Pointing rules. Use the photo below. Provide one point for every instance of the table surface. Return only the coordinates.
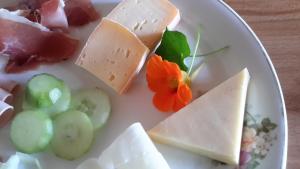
(277, 24)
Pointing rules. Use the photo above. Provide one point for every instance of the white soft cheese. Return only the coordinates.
(133, 149)
(212, 124)
(146, 18)
(21, 161)
(113, 54)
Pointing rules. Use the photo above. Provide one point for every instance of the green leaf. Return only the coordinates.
(253, 126)
(272, 126)
(265, 130)
(267, 124)
(174, 47)
(261, 157)
(265, 121)
(253, 165)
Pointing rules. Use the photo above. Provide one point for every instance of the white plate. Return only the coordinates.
(221, 26)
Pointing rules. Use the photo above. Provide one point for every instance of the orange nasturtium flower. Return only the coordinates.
(165, 79)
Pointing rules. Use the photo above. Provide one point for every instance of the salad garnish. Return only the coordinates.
(168, 76)
(174, 47)
(166, 80)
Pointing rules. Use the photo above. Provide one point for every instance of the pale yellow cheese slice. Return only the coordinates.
(212, 124)
(146, 18)
(113, 54)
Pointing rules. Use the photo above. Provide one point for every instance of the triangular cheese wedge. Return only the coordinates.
(212, 124)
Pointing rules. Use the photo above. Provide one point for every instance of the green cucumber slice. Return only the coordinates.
(73, 135)
(63, 103)
(47, 93)
(27, 106)
(95, 103)
(31, 131)
(44, 90)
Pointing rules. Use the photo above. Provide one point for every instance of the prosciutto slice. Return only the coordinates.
(8, 85)
(30, 4)
(6, 113)
(80, 12)
(28, 44)
(5, 96)
(7, 89)
(32, 15)
(53, 14)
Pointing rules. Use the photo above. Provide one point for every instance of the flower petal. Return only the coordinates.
(162, 76)
(245, 157)
(164, 101)
(155, 67)
(173, 70)
(184, 93)
(183, 97)
(156, 74)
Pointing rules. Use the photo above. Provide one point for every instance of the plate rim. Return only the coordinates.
(275, 78)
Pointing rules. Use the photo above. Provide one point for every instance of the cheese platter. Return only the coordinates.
(136, 84)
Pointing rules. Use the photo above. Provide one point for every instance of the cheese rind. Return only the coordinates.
(132, 149)
(148, 19)
(212, 124)
(113, 54)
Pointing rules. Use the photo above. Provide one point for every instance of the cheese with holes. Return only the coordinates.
(146, 18)
(133, 149)
(212, 124)
(113, 54)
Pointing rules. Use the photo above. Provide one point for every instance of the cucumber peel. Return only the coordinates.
(47, 93)
(31, 131)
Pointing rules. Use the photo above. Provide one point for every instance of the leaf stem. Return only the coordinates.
(252, 117)
(195, 51)
(213, 52)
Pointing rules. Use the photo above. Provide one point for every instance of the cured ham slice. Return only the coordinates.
(28, 44)
(7, 89)
(30, 4)
(5, 96)
(53, 14)
(19, 16)
(6, 113)
(80, 12)
(32, 15)
(8, 85)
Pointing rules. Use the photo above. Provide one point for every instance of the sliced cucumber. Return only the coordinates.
(27, 106)
(63, 103)
(95, 103)
(31, 131)
(73, 135)
(44, 90)
(47, 93)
